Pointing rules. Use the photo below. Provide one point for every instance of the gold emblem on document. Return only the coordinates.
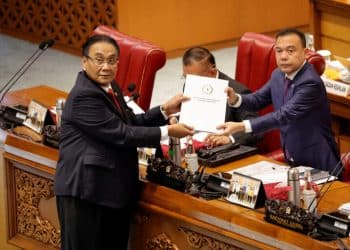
(207, 89)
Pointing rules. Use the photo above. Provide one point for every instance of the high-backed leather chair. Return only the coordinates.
(346, 164)
(255, 63)
(138, 63)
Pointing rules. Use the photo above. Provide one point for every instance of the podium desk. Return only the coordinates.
(31, 154)
(165, 217)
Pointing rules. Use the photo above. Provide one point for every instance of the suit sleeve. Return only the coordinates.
(90, 114)
(257, 100)
(240, 114)
(305, 98)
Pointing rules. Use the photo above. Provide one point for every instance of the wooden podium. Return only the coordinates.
(32, 221)
(166, 219)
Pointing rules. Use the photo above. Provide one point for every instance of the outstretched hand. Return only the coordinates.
(231, 127)
(173, 105)
(180, 130)
(232, 98)
(214, 140)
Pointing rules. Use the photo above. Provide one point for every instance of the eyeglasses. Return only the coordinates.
(99, 61)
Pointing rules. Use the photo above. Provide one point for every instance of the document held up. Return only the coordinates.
(207, 106)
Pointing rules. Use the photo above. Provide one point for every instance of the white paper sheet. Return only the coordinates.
(207, 106)
(267, 172)
(133, 105)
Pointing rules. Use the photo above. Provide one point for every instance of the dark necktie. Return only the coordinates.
(114, 98)
(287, 83)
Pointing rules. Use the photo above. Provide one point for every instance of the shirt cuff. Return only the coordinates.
(163, 112)
(163, 132)
(232, 139)
(238, 102)
(247, 126)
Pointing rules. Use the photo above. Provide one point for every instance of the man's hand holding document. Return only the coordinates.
(207, 106)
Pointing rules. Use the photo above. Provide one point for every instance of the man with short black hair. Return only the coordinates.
(301, 108)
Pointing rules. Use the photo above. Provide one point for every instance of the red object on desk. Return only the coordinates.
(281, 193)
(196, 144)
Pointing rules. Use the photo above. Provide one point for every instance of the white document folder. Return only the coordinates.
(207, 107)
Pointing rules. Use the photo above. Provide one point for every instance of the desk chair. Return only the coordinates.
(346, 163)
(255, 63)
(139, 62)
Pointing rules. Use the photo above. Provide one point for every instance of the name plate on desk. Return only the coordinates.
(288, 215)
(246, 191)
(336, 87)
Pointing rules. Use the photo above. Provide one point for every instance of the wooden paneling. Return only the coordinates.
(344, 143)
(171, 24)
(3, 209)
(330, 24)
(69, 22)
(178, 24)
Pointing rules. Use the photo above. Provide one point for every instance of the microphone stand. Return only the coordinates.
(335, 172)
(15, 115)
(37, 53)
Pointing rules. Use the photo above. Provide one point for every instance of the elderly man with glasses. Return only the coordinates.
(96, 181)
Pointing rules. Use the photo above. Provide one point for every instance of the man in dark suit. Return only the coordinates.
(200, 61)
(299, 98)
(96, 181)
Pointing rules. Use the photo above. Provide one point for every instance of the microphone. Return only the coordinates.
(44, 45)
(131, 87)
(335, 172)
(332, 225)
(133, 97)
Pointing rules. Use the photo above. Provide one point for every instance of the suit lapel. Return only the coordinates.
(123, 105)
(113, 106)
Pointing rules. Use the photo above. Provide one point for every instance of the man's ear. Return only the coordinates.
(83, 63)
(213, 72)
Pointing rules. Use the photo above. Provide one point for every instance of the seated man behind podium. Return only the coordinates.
(301, 108)
(200, 61)
(96, 181)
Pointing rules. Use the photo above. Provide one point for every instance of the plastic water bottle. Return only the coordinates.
(308, 194)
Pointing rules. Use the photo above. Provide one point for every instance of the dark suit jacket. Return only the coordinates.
(302, 115)
(98, 158)
(239, 114)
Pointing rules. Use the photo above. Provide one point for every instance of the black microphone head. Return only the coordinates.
(46, 44)
(131, 87)
(134, 96)
(42, 44)
(50, 42)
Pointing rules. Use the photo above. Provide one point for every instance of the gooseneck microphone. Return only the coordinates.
(133, 97)
(44, 45)
(335, 172)
(131, 87)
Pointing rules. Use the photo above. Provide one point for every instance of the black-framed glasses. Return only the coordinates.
(99, 61)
